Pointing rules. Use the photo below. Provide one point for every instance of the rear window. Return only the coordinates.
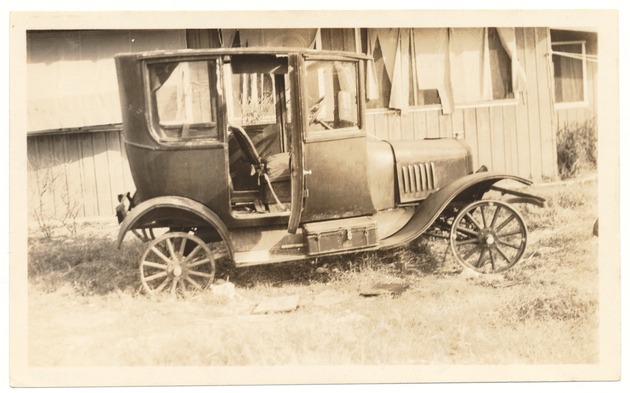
(184, 102)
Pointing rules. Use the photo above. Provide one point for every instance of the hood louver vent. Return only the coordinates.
(416, 180)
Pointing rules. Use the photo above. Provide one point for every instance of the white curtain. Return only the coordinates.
(508, 40)
(394, 45)
(71, 76)
(469, 58)
(432, 64)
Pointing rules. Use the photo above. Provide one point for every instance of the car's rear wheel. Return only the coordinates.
(488, 236)
(177, 263)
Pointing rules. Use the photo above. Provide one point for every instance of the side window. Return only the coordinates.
(184, 105)
(331, 95)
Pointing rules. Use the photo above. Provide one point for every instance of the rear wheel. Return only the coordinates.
(488, 236)
(177, 263)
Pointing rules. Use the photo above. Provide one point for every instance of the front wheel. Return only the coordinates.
(488, 236)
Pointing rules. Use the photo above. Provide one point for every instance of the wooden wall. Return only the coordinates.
(87, 170)
(516, 137)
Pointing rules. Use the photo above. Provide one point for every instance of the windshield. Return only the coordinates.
(331, 95)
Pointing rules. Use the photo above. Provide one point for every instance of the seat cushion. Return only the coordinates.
(278, 167)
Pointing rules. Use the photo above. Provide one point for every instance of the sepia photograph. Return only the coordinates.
(314, 197)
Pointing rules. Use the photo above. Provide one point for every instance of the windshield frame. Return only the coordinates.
(336, 133)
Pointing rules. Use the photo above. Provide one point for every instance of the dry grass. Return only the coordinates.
(85, 307)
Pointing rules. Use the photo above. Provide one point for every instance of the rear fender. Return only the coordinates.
(467, 189)
(171, 211)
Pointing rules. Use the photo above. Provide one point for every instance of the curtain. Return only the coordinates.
(394, 44)
(508, 40)
(71, 76)
(569, 78)
(469, 59)
(432, 64)
(372, 90)
(71, 94)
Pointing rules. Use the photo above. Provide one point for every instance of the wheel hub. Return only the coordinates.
(487, 238)
(177, 271)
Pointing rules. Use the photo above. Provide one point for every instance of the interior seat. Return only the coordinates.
(274, 168)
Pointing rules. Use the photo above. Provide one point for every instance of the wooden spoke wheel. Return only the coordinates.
(177, 263)
(488, 236)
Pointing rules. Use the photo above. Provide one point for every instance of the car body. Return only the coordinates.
(265, 151)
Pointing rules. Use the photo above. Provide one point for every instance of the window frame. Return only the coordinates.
(571, 104)
(155, 129)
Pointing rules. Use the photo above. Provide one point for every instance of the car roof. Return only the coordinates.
(158, 54)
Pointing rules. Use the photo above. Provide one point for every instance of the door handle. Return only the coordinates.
(306, 173)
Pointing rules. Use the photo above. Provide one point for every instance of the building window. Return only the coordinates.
(569, 70)
(447, 67)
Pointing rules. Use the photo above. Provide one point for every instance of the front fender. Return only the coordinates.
(468, 188)
(172, 211)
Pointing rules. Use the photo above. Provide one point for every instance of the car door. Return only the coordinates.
(333, 146)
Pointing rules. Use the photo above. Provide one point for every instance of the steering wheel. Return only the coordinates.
(315, 111)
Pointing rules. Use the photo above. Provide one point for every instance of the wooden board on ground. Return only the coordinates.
(277, 304)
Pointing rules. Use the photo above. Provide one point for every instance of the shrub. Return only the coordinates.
(50, 181)
(577, 148)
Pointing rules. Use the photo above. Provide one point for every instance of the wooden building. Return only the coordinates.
(504, 90)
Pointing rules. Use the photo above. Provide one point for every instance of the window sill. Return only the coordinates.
(485, 104)
(571, 105)
(429, 108)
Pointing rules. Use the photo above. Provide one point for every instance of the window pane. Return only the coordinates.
(331, 95)
(568, 74)
(428, 97)
(253, 99)
(182, 98)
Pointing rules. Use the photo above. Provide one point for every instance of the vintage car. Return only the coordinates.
(256, 155)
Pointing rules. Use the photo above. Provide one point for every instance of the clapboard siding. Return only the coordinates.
(516, 137)
(545, 104)
(90, 170)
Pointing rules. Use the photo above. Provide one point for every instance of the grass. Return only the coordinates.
(85, 307)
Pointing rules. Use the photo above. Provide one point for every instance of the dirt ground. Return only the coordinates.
(91, 312)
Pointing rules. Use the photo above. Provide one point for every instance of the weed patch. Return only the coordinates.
(565, 307)
(577, 148)
(88, 265)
